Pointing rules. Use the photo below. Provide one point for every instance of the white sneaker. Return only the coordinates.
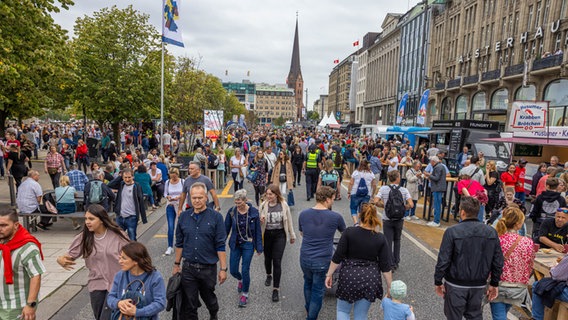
(433, 224)
(415, 218)
(169, 251)
(407, 218)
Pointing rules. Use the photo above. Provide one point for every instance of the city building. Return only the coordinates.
(244, 91)
(274, 101)
(414, 31)
(359, 77)
(321, 106)
(486, 54)
(340, 88)
(382, 74)
(295, 80)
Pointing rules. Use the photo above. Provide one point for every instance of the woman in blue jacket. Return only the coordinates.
(245, 236)
(145, 181)
(138, 289)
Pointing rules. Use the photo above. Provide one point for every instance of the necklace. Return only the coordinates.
(245, 237)
(104, 235)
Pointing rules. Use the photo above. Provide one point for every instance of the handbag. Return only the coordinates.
(252, 176)
(282, 177)
(52, 171)
(291, 201)
(137, 296)
(50, 207)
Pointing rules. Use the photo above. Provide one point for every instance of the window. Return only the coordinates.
(478, 104)
(526, 93)
(500, 99)
(537, 15)
(461, 108)
(446, 109)
(529, 26)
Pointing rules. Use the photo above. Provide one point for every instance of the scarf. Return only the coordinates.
(21, 238)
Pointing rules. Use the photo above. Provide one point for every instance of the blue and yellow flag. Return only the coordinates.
(422, 108)
(171, 32)
(401, 107)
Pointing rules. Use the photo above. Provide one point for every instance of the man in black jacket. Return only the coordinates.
(545, 206)
(129, 206)
(470, 252)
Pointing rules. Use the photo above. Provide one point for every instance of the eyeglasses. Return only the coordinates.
(564, 210)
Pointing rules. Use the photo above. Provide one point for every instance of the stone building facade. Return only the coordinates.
(274, 101)
(339, 89)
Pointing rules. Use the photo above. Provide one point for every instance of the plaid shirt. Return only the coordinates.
(78, 179)
(54, 160)
(560, 272)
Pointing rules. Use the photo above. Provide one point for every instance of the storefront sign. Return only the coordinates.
(213, 124)
(551, 132)
(528, 116)
(467, 124)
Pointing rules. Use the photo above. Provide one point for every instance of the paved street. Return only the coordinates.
(416, 270)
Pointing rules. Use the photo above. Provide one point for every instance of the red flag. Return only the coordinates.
(336, 61)
(356, 43)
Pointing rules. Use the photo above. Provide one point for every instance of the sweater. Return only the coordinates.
(154, 291)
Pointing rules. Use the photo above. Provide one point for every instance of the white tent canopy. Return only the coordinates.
(324, 121)
(331, 119)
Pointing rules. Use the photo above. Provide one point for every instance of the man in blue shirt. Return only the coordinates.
(200, 250)
(317, 227)
(77, 178)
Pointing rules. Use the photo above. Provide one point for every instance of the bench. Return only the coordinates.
(558, 312)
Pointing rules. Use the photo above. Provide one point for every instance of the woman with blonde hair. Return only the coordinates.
(364, 254)
(519, 256)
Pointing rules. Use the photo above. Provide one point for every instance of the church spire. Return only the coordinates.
(294, 79)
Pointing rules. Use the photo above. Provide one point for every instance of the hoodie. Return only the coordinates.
(546, 204)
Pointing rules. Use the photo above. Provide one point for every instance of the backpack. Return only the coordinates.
(362, 190)
(96, 192)
(348, 153)
(212, 161)
(395, 208)
(329, 178)
(138, 296)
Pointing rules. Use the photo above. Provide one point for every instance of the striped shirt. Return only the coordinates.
(26, 262)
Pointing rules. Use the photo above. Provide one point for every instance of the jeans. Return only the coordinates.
(411, 212)
(2, 170)
(360, 309)
(499, 310)
(101, 311)
(238, 185)
(393, 232)
(171, 217)
(311, 182)
(521, 196)
(538, 307)
(129, 224)
(481, 213)
(197, 282)
(437, 204)
(314, 285)
(356, 202)
(244, 251)
(274, 245)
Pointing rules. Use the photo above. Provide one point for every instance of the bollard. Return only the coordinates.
(12, 188)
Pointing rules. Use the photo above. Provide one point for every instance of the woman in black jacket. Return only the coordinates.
(297, 163)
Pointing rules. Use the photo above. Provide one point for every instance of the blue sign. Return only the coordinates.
(338, 114)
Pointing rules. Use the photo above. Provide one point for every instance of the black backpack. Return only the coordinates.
(395, 208)
(212, 161)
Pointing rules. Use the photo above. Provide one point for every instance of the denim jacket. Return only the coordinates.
(254, 228)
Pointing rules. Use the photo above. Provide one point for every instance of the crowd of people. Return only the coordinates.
(386, 181)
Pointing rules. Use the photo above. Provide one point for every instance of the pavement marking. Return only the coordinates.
(413, 240)
(160, 236)
(225, 192)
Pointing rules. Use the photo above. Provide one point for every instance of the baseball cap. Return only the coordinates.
(523, 161)
(398, 290)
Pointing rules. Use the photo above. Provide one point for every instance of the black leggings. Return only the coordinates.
(297, 172)
(274, 244)
(258, 192)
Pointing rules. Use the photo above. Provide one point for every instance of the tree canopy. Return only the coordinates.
(36, 71)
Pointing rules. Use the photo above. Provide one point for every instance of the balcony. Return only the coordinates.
(491, 75)
(514, 70)
(548, 62)
(440, 86)
(454, 83)
(470, 79)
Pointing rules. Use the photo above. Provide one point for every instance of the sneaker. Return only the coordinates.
(268, 281)
(2, 178)
(169, 251)
(415, 218)
(243, 301)
(42, 226)
(275, 297)
(407, 218)
(240, 287)
(433, 224)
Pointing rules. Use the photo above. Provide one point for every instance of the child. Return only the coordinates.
(393, 309)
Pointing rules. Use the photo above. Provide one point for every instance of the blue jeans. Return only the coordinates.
(481, 213)
(360, 309)
(129, 224)
(521, 196)
(538, 307)
(244, 251)
(237, 185)
(314, 285)
(356, 202)
(411, 212)
(171, 217)
(499, 310)
(437, 204)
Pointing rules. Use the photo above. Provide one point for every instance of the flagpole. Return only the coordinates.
(162, 94)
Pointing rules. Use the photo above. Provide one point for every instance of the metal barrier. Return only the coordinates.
(12, 188)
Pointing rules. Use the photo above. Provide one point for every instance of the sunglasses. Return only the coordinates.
(564, 210)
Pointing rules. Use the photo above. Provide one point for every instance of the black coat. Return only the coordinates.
(175, 297)
(138, 202)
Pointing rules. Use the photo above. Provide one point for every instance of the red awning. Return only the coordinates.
(334, 126)
(533, 141)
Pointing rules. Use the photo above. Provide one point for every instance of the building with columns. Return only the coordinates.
(340, 88)
(360, 76)
(486, 54)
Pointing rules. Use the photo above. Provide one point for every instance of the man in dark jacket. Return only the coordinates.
(545, 206)
(107, 196)
(469, 254)
(438, 186)
(129, 206)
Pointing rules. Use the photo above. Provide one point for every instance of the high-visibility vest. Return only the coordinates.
(312, 162)
(333, 155)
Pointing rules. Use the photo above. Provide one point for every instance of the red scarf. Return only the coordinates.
(21, 238)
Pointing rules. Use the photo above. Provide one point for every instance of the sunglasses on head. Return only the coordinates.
(564, 210)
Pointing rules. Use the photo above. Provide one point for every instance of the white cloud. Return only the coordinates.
(257, 35)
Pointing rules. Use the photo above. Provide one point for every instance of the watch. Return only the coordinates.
(224, 270)
(32, 304)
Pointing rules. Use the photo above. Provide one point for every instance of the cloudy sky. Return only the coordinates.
(257, 35)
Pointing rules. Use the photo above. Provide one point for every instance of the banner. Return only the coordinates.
(401, 106)
(529, 116)
(422, 108)
(171, 32)
(213, 124)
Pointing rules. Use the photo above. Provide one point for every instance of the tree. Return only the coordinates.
(119, 67)
(279, 121)
(313, 115)
(36, 71)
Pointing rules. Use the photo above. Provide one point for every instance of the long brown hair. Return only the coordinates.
(276, 190)
(138, 252)
(368, 216)
(88, 239)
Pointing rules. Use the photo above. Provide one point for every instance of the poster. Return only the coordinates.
(528, 116)
(213, 124)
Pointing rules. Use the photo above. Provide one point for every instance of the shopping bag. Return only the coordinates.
(291, 201)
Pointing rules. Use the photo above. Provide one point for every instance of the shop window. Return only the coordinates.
(500, 99)
(461, 108)
(479, 103)
(446, 109)
(556, 93)
(526, 93)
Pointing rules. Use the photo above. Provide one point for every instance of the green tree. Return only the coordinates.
(119, 67)
(279, 121)
(35, 66)
(313, 115)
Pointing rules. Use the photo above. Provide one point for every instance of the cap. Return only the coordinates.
(398, 290)
(523, 161)
(206, 145)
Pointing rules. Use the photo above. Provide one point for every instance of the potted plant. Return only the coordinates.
(185, 158)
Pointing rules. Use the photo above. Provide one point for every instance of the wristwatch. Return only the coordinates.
(224, 270)
(32, 304)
